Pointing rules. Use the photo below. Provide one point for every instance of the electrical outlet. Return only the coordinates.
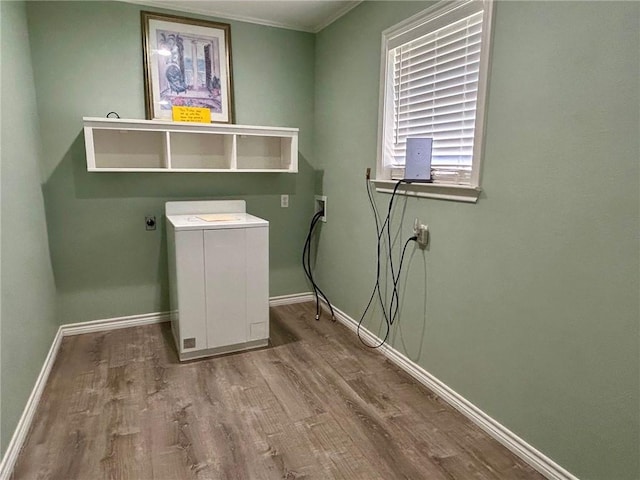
(284, 201)
(321, 206)
(423, 236)
(150, 222)
(421, 232)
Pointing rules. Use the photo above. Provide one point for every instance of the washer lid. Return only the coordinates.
(211, 221)
(204, 206)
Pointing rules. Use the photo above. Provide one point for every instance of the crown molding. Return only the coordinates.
(340, 13)
(245, 18)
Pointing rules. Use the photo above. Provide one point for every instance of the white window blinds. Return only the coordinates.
(435, 80)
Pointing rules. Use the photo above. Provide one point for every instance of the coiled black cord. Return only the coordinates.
(394, 306)
(376, 287)
(306, 265)
(395, 295)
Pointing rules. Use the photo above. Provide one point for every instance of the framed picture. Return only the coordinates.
(187, 63)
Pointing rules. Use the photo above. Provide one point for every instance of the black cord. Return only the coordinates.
(306, 258)
(376, 287)
(395, 295)
(316, 288)
(394, 305)
(397, 279)
(306, 264)
(315, 220)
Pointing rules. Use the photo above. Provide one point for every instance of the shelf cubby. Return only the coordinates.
(263, 152)
(154, 145)
(200, 151)
(126, 149)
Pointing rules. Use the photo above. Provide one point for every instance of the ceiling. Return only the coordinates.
(303, 15)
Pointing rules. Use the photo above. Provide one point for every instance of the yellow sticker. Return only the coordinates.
(191, 114)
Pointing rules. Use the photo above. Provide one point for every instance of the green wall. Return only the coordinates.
(28, 291)
(87, 60)
(526, 303)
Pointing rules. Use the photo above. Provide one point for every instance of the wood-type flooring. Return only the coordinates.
(316, 404)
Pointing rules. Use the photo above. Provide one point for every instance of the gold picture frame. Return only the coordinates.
(187, 63)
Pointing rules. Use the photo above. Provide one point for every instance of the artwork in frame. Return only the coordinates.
(187, 63)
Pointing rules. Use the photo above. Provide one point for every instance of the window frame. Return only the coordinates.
(430, 19)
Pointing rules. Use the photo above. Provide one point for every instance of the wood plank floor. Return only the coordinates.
(315, 404)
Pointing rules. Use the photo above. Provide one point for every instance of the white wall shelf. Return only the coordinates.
(120, 145)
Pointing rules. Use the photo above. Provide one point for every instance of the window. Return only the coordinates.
(434, 80)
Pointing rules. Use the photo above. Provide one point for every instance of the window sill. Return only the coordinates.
(441, 191)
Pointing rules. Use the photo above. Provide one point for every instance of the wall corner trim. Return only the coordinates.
(496, 430)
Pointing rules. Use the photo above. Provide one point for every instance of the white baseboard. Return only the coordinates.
(517, 445)
(496, 430)
(290, 299)
(159, 317)
(114, 323)
(22, 429)
(24, 424)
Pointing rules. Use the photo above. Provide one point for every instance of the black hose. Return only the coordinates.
(306, 264)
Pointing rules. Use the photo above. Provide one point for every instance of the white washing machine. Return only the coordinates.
(219, 277)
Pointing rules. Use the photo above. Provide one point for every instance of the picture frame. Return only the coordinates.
(172, 78)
